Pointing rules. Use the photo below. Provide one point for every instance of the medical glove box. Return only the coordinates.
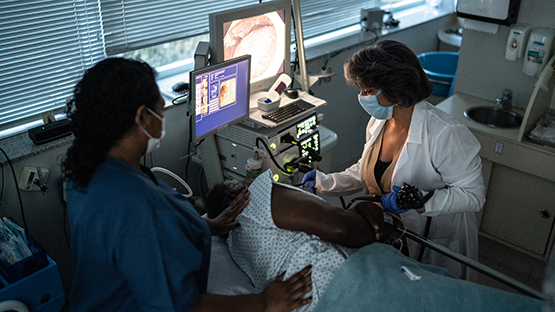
(25, 267)
(39, 291)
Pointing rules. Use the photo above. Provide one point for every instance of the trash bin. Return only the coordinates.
(440, 67)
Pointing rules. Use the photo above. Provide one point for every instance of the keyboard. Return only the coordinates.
(288, 111)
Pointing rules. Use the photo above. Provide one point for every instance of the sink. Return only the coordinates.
(494, 117)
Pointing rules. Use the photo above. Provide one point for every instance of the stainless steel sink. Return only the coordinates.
(494, 117)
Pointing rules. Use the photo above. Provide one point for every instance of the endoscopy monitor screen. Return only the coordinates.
(263, 31)
(220, 95)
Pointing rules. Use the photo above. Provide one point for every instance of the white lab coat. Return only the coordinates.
(439, 154)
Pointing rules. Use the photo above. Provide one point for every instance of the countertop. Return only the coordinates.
(457, 104)
(502, 145)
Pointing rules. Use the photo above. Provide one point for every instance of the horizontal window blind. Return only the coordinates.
(135, 24)
(45, 47)
(323, 16)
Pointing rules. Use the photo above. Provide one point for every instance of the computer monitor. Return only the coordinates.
(220, 95)
(261, 30)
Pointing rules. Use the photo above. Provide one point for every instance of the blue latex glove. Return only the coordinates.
(389, 201)
(309, 181)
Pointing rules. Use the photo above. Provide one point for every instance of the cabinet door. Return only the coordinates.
(519, 209)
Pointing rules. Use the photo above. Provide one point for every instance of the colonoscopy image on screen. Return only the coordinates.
(221, 95)
(263, 37)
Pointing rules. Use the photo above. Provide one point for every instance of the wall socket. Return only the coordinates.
(29, 175)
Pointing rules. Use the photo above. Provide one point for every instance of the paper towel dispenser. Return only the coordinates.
(502, 12)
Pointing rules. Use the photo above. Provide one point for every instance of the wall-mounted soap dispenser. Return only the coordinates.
(538, 50)
(516, 42)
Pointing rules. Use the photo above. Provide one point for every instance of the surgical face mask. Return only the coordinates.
(372, 107)
(154, 143)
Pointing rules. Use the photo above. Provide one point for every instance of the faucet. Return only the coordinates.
(507, 100)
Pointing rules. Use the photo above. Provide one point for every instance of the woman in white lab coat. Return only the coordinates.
(409, 140)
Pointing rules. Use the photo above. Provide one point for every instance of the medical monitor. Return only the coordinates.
(261, 30)
(220, 95)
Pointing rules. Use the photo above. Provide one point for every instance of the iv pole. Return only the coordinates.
(300, 44)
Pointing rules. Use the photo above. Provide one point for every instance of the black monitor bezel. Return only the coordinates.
(217, 19)
(192, 96)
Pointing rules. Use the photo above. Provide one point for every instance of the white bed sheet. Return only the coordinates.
(224, 276)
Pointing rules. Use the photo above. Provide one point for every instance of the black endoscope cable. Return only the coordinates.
(271, 155)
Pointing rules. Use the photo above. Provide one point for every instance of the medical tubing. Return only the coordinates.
(175, 176)
(271, 155)
(17, 188)
(374, 198)
(400, 238)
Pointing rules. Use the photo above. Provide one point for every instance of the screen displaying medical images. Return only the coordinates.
(228, 91)
(221, 95)
(263, 37)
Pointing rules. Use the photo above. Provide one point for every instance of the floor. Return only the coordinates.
(519, 266)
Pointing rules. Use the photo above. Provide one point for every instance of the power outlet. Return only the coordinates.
(29, 175)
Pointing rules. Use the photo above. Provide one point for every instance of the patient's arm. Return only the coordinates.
(297, 211)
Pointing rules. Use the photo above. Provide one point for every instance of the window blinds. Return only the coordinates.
(45, 47)
(135, 24)
(323, 16)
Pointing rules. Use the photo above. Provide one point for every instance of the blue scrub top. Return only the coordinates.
(136, 244)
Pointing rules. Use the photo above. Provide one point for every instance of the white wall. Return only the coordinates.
(483, 70)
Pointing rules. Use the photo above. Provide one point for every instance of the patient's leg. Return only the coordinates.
(298, 211)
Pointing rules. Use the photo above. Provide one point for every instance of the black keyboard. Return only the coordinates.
(287, 111)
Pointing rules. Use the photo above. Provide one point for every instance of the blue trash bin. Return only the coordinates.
(440, 67)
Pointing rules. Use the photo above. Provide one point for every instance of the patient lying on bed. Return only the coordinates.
(283, 229)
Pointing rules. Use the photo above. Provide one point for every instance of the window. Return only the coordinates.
(46, 45)
(44, 48)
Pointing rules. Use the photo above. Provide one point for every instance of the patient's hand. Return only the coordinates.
(225, 221)
(288, 295)
(373, 215)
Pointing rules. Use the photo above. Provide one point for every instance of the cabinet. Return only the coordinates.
(520, 181)
(519, 209)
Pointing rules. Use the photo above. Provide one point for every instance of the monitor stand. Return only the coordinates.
(208, 151)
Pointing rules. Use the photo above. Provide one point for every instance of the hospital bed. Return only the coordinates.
(226, 278)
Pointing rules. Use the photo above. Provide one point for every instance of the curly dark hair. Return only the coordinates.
(392, 67)
(221, 195)
(103, 110)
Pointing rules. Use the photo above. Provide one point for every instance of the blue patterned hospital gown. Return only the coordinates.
(264, 251)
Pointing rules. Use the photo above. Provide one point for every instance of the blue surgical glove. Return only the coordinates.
(389, 201)
(309, 181)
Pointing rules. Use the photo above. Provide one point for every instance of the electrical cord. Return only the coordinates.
(180, 99)
(259, 139)
(64, 204)
(18, 192)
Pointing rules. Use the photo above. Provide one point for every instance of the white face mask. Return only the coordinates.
(372, 107)
(153, 143)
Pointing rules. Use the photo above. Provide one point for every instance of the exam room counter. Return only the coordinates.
(520, 182)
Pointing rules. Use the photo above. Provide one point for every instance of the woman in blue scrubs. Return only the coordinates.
(137, 245)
